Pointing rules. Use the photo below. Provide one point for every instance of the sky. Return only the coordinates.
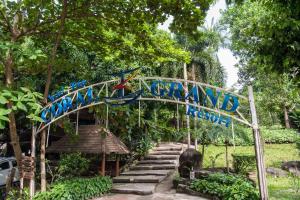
(225, 55)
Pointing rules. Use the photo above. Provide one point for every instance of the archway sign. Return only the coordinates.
(203, 101)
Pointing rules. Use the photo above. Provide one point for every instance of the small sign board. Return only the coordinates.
(27, 167)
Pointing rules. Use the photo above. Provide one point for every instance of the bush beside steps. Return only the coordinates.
(77, 189)
(221, 186)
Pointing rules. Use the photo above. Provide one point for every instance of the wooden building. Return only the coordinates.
(92, 139)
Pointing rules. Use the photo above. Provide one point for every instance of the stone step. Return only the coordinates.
(161, 157)
(165, 153)
(146, 172)
(152, 167)
(134, 188)
(138, 179)
(157, 162)
(167, 149)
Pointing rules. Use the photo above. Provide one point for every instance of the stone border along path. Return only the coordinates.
(151, 178)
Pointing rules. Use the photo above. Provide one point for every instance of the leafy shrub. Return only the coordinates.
(72, 165)
(144, 145)
(270, 135)
(77, 189)
(242, 163)
(226, 187)
(298, 145)
(279, 136)
(15, 194)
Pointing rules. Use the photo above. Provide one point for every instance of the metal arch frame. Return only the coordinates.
(142, 81)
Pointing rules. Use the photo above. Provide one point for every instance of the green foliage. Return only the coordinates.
(144, 145)
(243, 163)
(226, 186)
(281, 188)
(295, 116)
(72, 165)
(213, 159)
(268, 56)
(22, 100)
(15, 194)
(295, 182)
(298, 145)
(270, 135)
(261, 44)
(279, 136)
(77, 189)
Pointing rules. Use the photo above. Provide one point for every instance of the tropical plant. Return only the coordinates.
(226, 186)
(243, 163)
(77, 189)
(72, 165)
(213, 159)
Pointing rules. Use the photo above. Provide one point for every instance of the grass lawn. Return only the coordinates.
(279, 188)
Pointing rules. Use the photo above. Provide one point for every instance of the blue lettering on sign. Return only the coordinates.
(226, 101)
(158, 88)
(176, 89)
(161, 90)
(214, 99)
(209, 116)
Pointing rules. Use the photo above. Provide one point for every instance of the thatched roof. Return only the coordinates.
(92, 139)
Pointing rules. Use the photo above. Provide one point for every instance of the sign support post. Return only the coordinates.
(186, 105)
(33, 149)
(261, 170)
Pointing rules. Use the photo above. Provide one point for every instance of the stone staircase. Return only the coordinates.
(146, 174)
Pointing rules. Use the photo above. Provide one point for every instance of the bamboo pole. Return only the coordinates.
(261, 170)
(186, 105)
(33, 149)
(106, 122)
(195, 120)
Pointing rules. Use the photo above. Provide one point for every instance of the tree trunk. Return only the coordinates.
(14, 138)
(46, 92)
(286, 118)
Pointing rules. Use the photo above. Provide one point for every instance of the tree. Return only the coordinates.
(264, 35)
(87, 24)
(204, 60)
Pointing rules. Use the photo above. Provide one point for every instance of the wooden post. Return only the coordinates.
(77, 121)
(140, 85)
(177, 116)
(195, 120)
(186, 105)
(261, 170)
(118, 165)
(103, 165)
(106, 122)
(33, 149)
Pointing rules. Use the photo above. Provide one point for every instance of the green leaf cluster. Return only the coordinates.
(270, 135)
(243, 163)
(72, 165)
(226, 186)
(77, 189)
(19, 100)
